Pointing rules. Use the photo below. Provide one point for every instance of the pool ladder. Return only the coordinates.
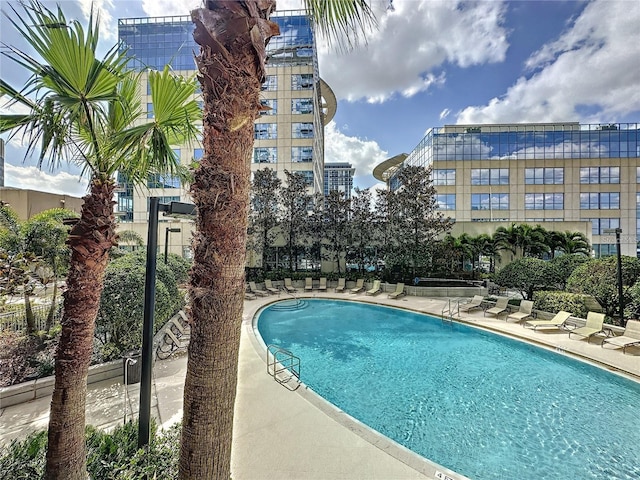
(283, 366)
(450, 309)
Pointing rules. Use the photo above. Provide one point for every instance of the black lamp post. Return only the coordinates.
(618, 231)
(176, 209)
(166, 240)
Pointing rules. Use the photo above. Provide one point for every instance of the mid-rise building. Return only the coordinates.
(535, 173)
(289, 135)
(338, 176)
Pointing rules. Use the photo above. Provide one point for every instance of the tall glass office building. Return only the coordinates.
(289, 135)
(544, 172)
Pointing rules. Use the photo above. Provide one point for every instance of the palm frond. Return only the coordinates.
(342, 21)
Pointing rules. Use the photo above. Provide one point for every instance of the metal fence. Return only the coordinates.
(16, 321)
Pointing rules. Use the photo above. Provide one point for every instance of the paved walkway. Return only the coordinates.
(294, 435)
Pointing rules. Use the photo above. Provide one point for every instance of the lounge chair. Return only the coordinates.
(557, 321)
(375, 289)
(268, 286)
(591, 327)
(256, 291)
(399, 291)
(359, 286)
(474, 304)
(631, 336)
(525, 311)
(249, 296)
(308, 284)
(323, 284)
(500, 308)
(341, 285)
(288, 286)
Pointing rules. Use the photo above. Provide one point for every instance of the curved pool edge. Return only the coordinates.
(426, 468)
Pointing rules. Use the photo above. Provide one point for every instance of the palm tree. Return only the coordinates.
(233, 36)
(85, 110)
(573, 242)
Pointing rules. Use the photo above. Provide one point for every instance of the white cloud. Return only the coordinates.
(162, 8)
(403, 55)
(32, 178)
(444, 113)
(590, 73)
(363, 154)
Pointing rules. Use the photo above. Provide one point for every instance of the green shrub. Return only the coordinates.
(554, 301)
(110, 456)
(526, 274)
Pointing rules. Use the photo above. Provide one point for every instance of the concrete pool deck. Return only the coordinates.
(296, 435)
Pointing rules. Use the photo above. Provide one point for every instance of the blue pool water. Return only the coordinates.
(480, 404)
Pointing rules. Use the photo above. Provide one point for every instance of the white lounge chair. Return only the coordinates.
(474, 304)
(359, 286)
(323, 284)
(500, 307)
(558, 321)
(288, 286)
(256, 291)
(525, 311)
(631, 336)
(375, 289)
(341, 285)
(399, 291)
(268, 286)
(308, 284)
(592, 326)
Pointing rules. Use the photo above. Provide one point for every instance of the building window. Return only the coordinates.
(270, 83)
(265, 155)
(265, 131)
(164, 200)
(490, 176)
(489, 201)
(604, 249)
(446, 201)
(197, 154)
(158, 180)
(544, 176)
(301, 105)
(600, 201)
(302, 81)
(272, 107)
(302, 130)
(598, 225)
(599, 174)
(308, 177)
(544, 201)
(444, 176)
(301, 154)
(150, 110)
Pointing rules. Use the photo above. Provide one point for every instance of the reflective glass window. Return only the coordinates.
(606, 175)
(302, 81)
(302, 130)
(308, 177)
(444, 176)
(487, 201)
(598, 225)
(272, 105)
(270, 83)
(157, 180)
(197, 154)
(600, 201)
(489, 176)
(150, 110)
(544, 176)
(544, 201)
(265, 155)
(265, 131)
(446, 201)
(604, 249)
(301, 154)
(301, 105)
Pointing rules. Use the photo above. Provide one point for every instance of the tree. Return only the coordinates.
(522, 240)
(563, 266)
(85, 109)
(233, 36)
(571, 243)
(263, 216)
(417, 221)
(362, 229)
(598, 277)
(526, 274)
(295, 203)
(335, 224)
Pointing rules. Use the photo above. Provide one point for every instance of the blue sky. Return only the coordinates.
(431, 63)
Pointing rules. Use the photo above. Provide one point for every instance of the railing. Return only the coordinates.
(283, 366)
(16, 321)
(450, 309)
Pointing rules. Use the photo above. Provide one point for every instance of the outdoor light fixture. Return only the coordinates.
(179, 209)
(618, 231)
(166, 240)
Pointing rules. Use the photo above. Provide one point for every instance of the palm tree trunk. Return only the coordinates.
(28, 311)
(231, 72)
(52, 308)
(89, 240)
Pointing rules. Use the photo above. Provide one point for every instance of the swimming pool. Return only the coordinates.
(483, 405)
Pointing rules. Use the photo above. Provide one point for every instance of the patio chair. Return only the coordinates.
(288, 286)
(256, 291)
(474, 304)
(268, 286)
(500, 308)
(631, 336)
(591, 327)
(341, 285)
(359, 286)
(323, 284)
(249, 296)
(399, 291)
(558, 321)
(375, 289)
(525, 311)
(308, 284)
